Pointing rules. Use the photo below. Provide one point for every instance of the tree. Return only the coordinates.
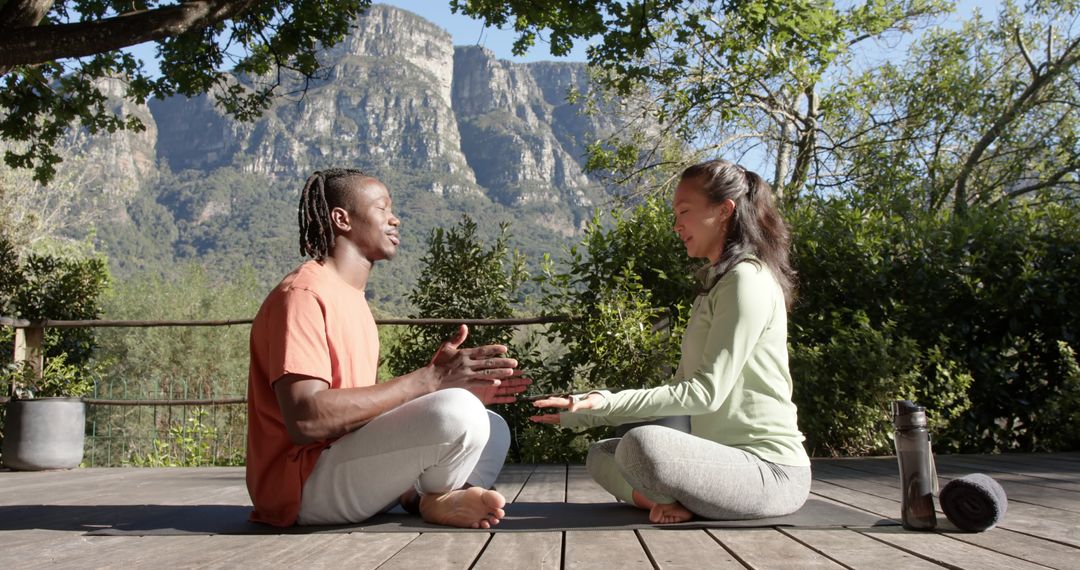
(461, 279)
(465, 278)
(53, 56)
(977, 115)
(717, 75)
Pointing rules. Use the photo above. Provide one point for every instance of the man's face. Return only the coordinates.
(373, 227)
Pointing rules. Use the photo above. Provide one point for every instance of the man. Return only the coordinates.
(326, 444)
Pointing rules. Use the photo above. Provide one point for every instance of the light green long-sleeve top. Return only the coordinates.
(733, 378)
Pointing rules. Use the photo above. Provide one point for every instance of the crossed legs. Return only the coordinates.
(675, 475)
(437, 444)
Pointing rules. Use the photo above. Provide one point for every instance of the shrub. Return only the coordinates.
(979, 304)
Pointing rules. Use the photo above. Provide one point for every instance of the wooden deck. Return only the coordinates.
(1040, 530)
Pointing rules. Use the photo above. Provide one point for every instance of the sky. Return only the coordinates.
(467, 31)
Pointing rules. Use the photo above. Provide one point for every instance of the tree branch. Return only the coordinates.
(30, 45)
(1024, 51)
(1052, 69)
(1053, 180)
(807, 143)
(19, 13)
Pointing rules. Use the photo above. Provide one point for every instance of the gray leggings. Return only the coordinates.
(712, 480)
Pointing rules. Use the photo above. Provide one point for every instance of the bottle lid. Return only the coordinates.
(906, 414)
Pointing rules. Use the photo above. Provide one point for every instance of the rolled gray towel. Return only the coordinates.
(974, 502)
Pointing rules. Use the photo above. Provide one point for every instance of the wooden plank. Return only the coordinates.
(882, 507)
(1024, 492)
(77, 551)
(1065, 459)
(522, 551)
(439, 551)
(1020, 487)
(39, 548)
(356, 550)
(131, 486)
(1033, 548)
(769, 548)
(1039, 534)
(547, 484)
(604, 550)
(856, 550)
(22, 487)
(1054, 477)
(359, 550)
(686, 550)
(511, 479)
(581, 488)
(1058, 476)
(1044, 522)
(944, 550)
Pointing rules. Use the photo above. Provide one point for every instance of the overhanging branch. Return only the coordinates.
(32, 45)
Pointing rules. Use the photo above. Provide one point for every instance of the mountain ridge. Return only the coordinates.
(451, 130)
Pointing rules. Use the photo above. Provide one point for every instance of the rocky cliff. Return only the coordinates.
(398, 96)
(452, 130)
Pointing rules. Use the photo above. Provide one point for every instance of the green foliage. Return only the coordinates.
(626, 287)
(460, 279)
(1063, 404)
(36, 286)
(44, 96)
(58, 379)
(843, 384)
(173, 363)
(712, 75)
(56, 286)
(975, 114)
(639, 242)
(191, 443)
(463, 278)
(181, 361)
(963, 313)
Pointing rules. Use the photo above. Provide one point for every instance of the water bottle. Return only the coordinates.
(917, 474)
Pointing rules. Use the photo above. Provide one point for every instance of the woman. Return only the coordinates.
(743, 457)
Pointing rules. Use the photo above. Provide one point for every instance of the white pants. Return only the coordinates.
(435, 443)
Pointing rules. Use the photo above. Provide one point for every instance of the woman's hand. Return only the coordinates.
(568, 403)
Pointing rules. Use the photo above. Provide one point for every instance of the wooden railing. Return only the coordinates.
(30, 336)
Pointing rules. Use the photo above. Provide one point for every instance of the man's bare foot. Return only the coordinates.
(666, 513)
(474, 507)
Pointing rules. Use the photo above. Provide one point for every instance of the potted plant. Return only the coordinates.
(46, 418)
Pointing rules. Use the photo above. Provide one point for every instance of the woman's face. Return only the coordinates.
(701, 225)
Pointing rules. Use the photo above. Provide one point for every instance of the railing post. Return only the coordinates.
(29, 343)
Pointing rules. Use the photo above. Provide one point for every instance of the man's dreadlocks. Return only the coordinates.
(323, 191)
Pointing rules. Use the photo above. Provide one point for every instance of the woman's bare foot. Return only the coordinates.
(474, 507)
(667, 513)
(662, 513)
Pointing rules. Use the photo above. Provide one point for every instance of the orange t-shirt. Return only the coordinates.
(315, 324)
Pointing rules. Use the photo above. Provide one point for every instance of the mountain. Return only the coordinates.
(452, 131)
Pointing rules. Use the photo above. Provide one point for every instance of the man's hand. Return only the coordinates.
(505, 393)
(482, 367)
(569, 404)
